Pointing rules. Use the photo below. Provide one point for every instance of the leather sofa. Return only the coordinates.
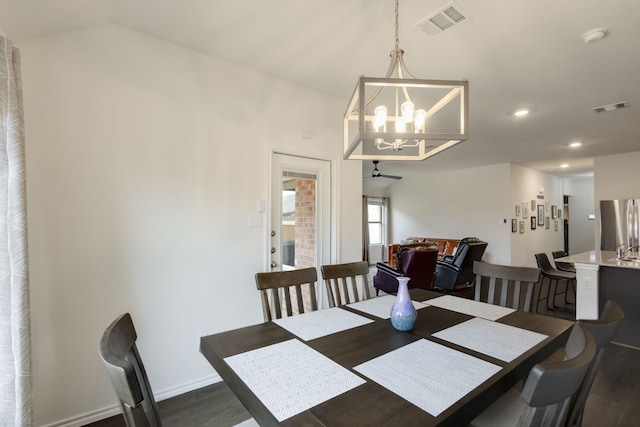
(416, 261)
(445, 246)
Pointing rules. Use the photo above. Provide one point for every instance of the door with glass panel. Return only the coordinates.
(300, 230)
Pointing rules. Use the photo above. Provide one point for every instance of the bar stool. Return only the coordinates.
(555, 276)
(561, 265)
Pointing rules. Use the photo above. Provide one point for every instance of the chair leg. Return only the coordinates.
(540, 299)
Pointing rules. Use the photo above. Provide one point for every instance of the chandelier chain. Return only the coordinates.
(397, 37)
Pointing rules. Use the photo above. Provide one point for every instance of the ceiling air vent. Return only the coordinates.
(443, 19)
(610, 107)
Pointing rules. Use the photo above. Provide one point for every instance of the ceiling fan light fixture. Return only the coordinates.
(399, 117)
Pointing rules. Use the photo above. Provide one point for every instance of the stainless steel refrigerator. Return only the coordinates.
(620, 225)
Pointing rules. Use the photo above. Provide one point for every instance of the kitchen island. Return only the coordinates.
(600, 277)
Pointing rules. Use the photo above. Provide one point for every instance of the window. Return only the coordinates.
(376, 225)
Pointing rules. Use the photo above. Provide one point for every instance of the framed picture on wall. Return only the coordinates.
(554, 212)
(514, 225)
(525, 210)
(521, 227)
(556, 225)
(546, 222)
(546, 206)
(533, 222)
(559, 211)
(540, 214)
(533, 206)
(517, 210)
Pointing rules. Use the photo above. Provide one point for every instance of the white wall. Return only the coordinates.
(526, 185)
(144, 161)
(456, 204)
(581, 205)
(615, 177)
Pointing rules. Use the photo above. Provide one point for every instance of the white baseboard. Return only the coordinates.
(109, 411)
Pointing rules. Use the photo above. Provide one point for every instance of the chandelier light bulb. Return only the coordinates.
(380, 119)
(407, 111)
(420, 120)
(400, 125)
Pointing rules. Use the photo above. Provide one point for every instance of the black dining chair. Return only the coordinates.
(126, 372)
(505, 285)
(341, 281)
(548, 390)
(603, 331)
(280, 288)
(554, 276)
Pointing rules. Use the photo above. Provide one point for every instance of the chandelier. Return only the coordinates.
(399, 117)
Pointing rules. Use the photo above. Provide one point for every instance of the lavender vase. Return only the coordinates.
(403, 313)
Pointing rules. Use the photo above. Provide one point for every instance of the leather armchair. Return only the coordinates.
(417, 261)
(456, 271)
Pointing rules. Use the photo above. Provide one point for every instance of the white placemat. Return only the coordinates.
(380, 306)
(470, 307)
(316, 324)
(429, 375)
(504, 342)
(291, 377)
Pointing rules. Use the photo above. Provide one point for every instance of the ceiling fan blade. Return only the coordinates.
(390, 176)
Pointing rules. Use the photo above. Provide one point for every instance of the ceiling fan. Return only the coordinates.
(376, 173)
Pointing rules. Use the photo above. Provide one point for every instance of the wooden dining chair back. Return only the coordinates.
(546, 395)
(127, 374)
(506, 285)
(603, 331)
(341, 281)
(277, 287)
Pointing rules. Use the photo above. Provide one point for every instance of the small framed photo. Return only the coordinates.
(546, 206)
(559, 211)
(556, 225)
(554, 212)
(540, 214)
(533, 222)
(514, 225)
(525, 210)
(546, 222)
(517, 210)
(521, 227)
(533, 206)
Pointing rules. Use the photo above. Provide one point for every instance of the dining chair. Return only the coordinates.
(603, 331)
(276, 285)
(512, 284)
(554, 276)
(547, 392)
(341, 281)
(126, 372)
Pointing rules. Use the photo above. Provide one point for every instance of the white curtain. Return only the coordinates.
(15, 348)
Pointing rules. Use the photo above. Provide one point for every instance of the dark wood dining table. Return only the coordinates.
(370, 403)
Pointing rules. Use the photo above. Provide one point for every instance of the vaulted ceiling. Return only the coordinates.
(515, 54)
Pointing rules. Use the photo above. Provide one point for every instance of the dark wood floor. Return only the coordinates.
(614, 400)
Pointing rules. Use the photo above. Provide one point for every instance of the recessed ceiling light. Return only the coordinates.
(520, 113)
(595, 35)
(575, 144)
(564, 165)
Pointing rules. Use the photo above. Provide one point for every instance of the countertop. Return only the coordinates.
(602, 258)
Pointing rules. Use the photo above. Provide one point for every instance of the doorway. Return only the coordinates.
(300, 225)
